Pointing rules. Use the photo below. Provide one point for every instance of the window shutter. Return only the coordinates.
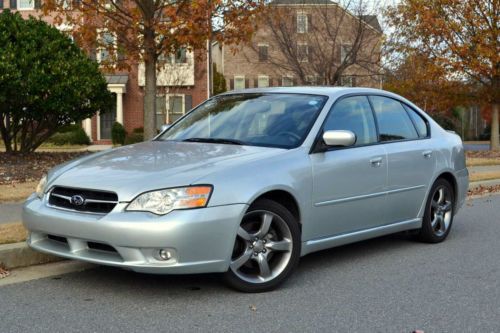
(294, 23)
(255, 83)
(231, 84)
(38, 4)
(13, 4)
(247, 83)
(270, 82)
(310, 51)
(120, 48)
(188, 102)
(309, 22)
(354, 81)
(294, 80)
(93, 53)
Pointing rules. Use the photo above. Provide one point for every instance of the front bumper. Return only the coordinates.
(200, 240)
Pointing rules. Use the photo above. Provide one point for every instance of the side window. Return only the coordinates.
(393, 121)
(353, 114)
(419, 121)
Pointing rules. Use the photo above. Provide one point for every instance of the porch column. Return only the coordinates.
(87, 127)
(119, 107)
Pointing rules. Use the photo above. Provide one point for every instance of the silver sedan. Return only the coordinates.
(248, 182)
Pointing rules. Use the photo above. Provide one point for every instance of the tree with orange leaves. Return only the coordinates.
(146, 30)
(416, 77)
(461, 37)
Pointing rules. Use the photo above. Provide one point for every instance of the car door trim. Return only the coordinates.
(346, 238)
(365, 196)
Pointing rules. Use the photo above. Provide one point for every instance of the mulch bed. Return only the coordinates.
(483, 154)
(483, 190)
(20, 168)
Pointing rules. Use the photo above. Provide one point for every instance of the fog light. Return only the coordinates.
(164, 254)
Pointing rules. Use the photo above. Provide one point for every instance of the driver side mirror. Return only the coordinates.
(339, 138)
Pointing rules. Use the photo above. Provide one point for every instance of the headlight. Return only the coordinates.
(162, 202)
(40, 188)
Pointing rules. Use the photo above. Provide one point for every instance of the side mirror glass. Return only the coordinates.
(339, 138)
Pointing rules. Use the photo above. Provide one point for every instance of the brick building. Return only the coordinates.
(311, 38)
(181, 84)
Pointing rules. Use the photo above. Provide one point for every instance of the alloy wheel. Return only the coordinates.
(441, 210)
(263, 247)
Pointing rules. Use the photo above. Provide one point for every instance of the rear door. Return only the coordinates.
(349, 182)
(411, 161)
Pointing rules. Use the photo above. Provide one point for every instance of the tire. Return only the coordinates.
(438, 215)
(266, 250)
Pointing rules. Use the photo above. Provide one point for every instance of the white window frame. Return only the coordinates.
(263, 77)
(239, 77)
(258, 52)
(287, 77)
(32, 7)
(347, 80)
(345, 49)
(302, 18)
(100, 33)
(299, 45)
(312, 80)
(167, 107)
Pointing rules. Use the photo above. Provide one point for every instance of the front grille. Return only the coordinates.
(82, 200)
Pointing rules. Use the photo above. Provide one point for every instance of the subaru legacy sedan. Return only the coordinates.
(250, 181)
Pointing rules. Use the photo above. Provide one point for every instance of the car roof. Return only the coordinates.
(331, 92)
(313, 90)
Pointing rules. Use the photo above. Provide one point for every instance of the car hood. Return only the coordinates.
(147, 166)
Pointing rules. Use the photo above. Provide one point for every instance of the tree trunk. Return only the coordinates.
(495, 144)
(150, 100)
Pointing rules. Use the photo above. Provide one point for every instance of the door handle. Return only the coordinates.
(427, 154)
(376, 162)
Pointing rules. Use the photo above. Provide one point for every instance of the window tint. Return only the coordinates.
(353, 114)
(393, 121)
(419, 122)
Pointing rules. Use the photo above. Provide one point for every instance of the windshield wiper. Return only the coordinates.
(215, 140)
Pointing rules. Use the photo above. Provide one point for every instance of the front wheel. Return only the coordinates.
(438, 216)
(266, 249)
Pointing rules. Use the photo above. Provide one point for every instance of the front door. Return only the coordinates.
(106, 121)
(349, 183)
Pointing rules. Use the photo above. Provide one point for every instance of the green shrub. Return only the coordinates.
(75, 137)
(118, 134)
(138, 130)
(69, 128)
(134, 137)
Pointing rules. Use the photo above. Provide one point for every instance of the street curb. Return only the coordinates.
(20, 255)
(492, 182)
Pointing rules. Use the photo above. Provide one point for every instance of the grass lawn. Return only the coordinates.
(16, 192)
(12, 233)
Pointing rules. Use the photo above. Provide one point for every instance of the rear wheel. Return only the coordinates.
(438, 216)
(266, 249)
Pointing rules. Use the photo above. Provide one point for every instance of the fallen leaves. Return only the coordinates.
(483, 190)
(22, 168)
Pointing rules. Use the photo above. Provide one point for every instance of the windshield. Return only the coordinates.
(269, 120)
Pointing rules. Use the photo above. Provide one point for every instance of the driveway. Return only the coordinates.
(390, 284)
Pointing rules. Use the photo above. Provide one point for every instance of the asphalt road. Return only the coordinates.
(390, 284)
